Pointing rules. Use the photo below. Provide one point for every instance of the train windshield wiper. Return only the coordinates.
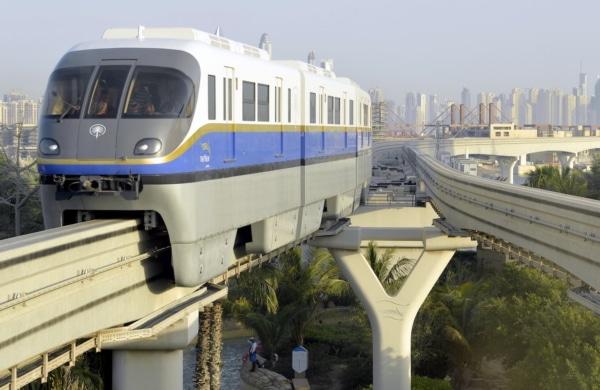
(70, 106)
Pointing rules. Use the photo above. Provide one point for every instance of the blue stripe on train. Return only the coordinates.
(228, 150)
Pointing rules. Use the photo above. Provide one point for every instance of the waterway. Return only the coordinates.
(233, 350)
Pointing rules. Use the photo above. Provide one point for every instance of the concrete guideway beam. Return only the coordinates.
(392, 317)
(560, 228)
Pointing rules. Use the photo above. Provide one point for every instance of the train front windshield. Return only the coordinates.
(151, 92)
(66, 91)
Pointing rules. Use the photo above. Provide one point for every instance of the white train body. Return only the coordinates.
(234, 152)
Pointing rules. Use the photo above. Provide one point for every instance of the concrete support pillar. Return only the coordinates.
(421, 187)
(147, 369)
(507, 168)
(523, 159)
(392, 318)
(567, 159)
(156, 363)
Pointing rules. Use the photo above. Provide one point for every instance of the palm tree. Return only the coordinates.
(566, 181)
(202, 372)
(542, 177)
(389, 271)
(306, 284)
(216, 335)
(283, 297)
(571, 182)
(79, 377)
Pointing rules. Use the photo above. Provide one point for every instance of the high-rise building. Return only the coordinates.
(411, 108)
(30, 112)
(556, 106)
(378, 111)
(421, 111)
(465, 97)
(595, 103)
(516, 97)
(3, 114)
(569, 103)
(434, 108)
(581, 110)
(543, 108)
(582, 90)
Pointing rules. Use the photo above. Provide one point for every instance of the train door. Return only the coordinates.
(322, 101)
(228, 113)
(278, 119)
(97, 136)
(345, 121)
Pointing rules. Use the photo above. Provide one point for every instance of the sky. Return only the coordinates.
(430, 46)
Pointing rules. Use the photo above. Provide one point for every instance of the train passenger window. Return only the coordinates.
(212, 104)
(330, 110)
(107, 90)
(249, 101)
(263, 102)
(313, 107)
(65, 92)
(365, 115)
(289, 105)
(336, 110)
(156, 92)
(351, 112)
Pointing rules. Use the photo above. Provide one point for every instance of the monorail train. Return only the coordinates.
(230, 151)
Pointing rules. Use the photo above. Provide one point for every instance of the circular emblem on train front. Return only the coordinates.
(97, 130)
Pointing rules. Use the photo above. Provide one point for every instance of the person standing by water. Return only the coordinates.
(252, 355)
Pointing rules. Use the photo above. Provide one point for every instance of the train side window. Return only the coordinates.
(351, 112)
(212, 104)
(336, 110)
(330, 110)
(107, 90)
(365, 115)
(313, 107)
(289, 106)
(249, 101)
(263, 102)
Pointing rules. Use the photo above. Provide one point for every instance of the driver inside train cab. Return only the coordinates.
(141, 100)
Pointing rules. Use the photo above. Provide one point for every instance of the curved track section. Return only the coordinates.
(561, 228)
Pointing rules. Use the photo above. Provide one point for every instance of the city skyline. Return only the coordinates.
(432, 46)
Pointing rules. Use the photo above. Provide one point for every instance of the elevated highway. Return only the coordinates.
(509, 147)
(561, 228)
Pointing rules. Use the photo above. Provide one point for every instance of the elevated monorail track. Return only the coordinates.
(82, 287)
(561, 228)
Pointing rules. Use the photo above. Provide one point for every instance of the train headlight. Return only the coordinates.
(49, 147)
(147, 146)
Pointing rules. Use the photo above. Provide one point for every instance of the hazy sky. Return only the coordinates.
(419, 45)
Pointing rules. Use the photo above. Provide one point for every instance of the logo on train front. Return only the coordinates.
(97, 130)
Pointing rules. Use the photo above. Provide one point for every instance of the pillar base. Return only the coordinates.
(147, 370)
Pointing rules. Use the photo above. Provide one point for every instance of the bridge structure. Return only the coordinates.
(508, 151)
(74, 289)
(536, 224)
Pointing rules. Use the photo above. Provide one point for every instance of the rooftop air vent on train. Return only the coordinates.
(189, 34)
